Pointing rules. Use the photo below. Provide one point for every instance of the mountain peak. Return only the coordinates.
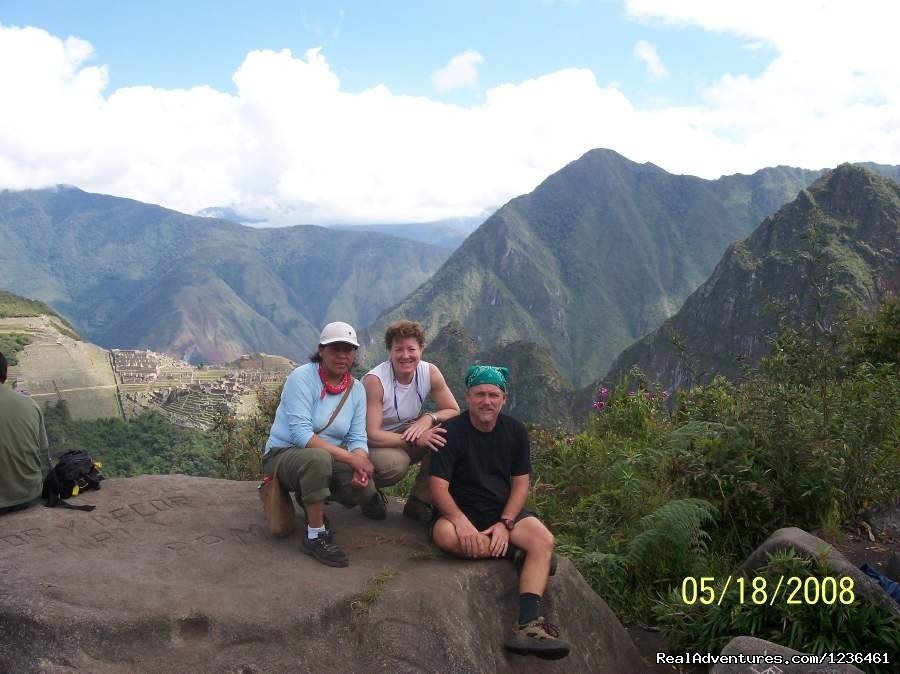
(853, 191)
(597, 255)
(849, 265)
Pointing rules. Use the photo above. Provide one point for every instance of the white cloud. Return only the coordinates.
(292, 146)
(831, 94)
(646, 53)
(461, 71)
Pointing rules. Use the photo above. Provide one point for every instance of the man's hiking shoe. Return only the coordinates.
(324, 549)
(519, 560)
(376, 508)
(538, 638)
(417, 510)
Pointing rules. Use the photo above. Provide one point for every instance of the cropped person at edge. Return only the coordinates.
(315, 458)
(399, 430)
(23, 448)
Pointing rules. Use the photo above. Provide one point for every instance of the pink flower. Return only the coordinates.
(603, 392)
(599, 405)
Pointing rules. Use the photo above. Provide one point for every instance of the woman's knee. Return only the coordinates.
(390, 465)
(309, 470)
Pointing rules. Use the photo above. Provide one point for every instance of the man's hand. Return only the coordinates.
(468, 536)
(433, 439)
(499, 536)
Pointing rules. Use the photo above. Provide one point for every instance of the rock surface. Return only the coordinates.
(178, 574)
(807, 545)
(754, 646)
(886, 519)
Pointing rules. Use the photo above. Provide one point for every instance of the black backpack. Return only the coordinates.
(74, 472)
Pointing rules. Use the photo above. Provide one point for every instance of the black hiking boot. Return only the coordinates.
(538, 638)
(376, 508)
(324, 549)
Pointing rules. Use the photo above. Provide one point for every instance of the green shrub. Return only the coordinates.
(874, 339)
(11, 343)
(810, 436)
(146, 444)
(242, 440)
(673, 541)
(635, 409)
(713, 402)
(724, 466)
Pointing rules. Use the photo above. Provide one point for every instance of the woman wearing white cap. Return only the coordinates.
(317, 445)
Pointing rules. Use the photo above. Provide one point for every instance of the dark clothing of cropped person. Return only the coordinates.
(23, 447)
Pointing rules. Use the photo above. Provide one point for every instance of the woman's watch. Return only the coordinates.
(508, 522)
(434, 419)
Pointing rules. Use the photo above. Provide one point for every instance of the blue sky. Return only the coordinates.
(398, 44)
(408, 111)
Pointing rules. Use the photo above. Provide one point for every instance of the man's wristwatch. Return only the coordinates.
(508, 522)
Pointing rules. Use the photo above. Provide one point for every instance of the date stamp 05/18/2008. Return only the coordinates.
(829, 590)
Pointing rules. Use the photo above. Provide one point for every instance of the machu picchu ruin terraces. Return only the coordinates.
(123, 383)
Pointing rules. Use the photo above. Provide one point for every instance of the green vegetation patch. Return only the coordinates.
(13, 306)
(363, 605)
(11, 343)
(651, 493)
(147, 444)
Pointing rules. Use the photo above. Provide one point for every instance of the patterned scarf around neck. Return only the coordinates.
(329, 388)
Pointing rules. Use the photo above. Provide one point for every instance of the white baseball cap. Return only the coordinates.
(338, 332)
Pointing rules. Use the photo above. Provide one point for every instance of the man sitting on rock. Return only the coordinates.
(23, 442)
(479, 482)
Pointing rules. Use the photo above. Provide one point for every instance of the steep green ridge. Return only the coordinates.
(835, 247)
(599, 254)
(130, 274)
(15, 306)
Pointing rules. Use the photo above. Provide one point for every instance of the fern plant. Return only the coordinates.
(673, 539)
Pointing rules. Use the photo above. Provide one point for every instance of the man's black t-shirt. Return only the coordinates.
(479, 466)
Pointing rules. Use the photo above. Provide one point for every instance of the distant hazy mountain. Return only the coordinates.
(228, 213)
(853, 263)
(599, 254)
(129, 274)
(448, 233)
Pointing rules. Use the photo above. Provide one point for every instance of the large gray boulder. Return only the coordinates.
(178, 574)
(808, 546)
